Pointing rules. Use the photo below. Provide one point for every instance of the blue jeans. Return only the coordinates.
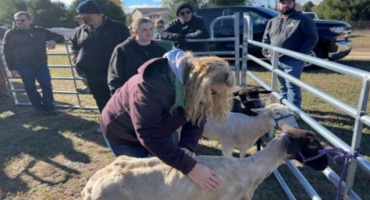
(42, 74)
(133, 151)
(289, 90)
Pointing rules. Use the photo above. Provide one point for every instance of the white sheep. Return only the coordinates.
(240, 131)
(150, 179)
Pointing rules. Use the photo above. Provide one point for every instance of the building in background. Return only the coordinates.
(152, 13)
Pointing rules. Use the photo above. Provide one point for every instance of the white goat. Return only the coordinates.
(241, 131)
(150, 179)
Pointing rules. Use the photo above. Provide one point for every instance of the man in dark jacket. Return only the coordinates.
(186, 26)
(294, 31)
(25, 55)
(93, 44)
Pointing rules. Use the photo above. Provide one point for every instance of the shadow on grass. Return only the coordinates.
(29, 138)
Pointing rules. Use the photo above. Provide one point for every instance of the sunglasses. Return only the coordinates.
(20, 20)
(185, 13)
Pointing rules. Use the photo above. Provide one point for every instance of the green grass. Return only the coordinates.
(45, 157)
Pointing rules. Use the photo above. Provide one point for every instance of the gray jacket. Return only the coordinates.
(297, 32)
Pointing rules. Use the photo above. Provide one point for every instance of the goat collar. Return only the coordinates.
(280, 118)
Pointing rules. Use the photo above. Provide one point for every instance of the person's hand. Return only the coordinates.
(188, 152)
(51, 44)
(74, 60)
(204, 177)
(14, 73)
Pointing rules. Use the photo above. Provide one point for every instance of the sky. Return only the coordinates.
(130, 5)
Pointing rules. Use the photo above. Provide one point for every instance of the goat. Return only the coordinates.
(149, 178)
(241, 131)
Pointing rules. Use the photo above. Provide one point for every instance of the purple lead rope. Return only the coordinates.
(341, 154)
(347, 160)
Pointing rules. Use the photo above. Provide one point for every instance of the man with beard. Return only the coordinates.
(93, 44)
(294, 31)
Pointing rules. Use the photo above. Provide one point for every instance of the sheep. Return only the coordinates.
(249, 98)
(149, 178)
(240, 131)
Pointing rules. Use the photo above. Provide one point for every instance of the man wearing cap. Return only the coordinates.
(93, 44)
(294, 31)
(186, 26)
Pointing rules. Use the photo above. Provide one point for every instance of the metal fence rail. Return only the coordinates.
(359, 114)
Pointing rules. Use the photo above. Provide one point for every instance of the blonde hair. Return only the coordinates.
(136, 24)
(199, 74)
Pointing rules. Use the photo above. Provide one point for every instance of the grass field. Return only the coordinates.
(52, 157)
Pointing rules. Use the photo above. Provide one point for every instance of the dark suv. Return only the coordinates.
(333, 35)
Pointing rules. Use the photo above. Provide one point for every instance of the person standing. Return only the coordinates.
(93, 44)
(128, 56)
(178, 90)
(186, 26)
(294, 31)
(25, 56)
(159, 27)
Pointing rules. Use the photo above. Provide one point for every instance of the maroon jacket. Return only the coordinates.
(139, 113)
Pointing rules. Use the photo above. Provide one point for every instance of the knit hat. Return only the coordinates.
(181, 5)
(88, 7)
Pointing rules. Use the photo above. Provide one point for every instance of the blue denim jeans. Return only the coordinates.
(132, 151)
(42, 74)
(289, 90)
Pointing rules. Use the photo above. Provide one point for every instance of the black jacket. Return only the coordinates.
(178, 32)
(28, 47)
(141, 113)
(93, 52)
(127, 57)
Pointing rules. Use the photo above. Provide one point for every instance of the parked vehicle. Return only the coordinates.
(333, 42)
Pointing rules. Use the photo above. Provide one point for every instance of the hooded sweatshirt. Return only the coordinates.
(141, 113)
(127, 57)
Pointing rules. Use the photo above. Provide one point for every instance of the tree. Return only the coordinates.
(307, 7)
(8, 8)
(338, 9)
(363, 10)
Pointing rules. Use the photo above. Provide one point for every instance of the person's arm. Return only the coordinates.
(55, 37)
(309, 29)
(266, 39)
(172, 32)
(201, 30)
(146, 108)
(190, 135)
(115, 70)
(75, 47)
(8, 48)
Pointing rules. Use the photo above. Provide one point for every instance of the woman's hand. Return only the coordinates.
(204, 177)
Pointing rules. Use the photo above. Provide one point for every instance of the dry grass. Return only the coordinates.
(47, 157)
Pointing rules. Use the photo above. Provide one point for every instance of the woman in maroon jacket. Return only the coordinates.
(168, 93)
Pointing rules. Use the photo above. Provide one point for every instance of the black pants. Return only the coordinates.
(99, 88)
